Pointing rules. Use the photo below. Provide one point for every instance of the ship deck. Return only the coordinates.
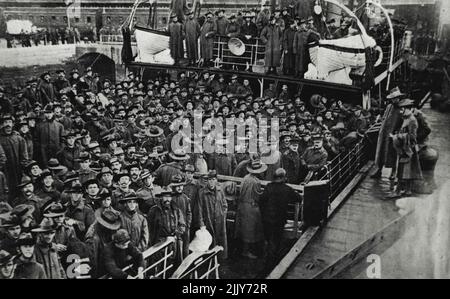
(366, 224)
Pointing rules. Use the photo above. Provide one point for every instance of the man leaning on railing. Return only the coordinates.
(119, 254)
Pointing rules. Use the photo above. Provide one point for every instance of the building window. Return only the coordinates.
(77, 20)
(88, 20)
(53, 18)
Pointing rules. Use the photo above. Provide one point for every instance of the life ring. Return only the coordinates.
(380, 56)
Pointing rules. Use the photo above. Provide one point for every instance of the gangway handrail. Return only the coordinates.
(199, 259)
(157, 248)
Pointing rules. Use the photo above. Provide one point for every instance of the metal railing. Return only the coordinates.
(342, 169)
(114, 38)
(162, 264)
(254, 51)
(200, 265)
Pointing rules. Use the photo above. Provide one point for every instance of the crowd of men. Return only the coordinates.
(285, 33)
(90, 167)
(54, 36)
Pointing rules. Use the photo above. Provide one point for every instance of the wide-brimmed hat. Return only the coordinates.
(70, 177)
(25, 181)
(55, 209)
(395, 93)
(23, 211)
(164, 192)
(177, 180)
(109, 219)
(406, 103)
(103, 171)
(179, 155)
(47, 225)
(84, 156)
(11, 221)
(131, 196)
(256, 166)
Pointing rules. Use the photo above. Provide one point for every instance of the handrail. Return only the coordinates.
(199, 260)
(157, 248)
